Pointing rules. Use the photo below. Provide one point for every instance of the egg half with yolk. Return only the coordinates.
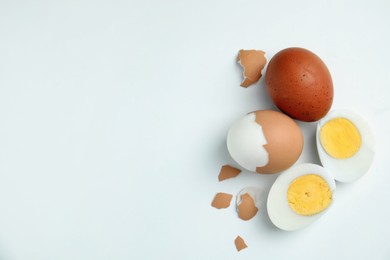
(299, 196)
(345, 145)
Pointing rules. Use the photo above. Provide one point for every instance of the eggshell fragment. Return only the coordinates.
(222, 200)
(240, 243)
(253, 62)
(246, 208)
(257, 194)
(228, 172)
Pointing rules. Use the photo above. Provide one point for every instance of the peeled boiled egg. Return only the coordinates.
(299, 84)
(345, 145)
(299, 196)
(265, 141)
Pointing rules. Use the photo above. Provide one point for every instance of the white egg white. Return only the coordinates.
(349, 169)
(280, 212)
(245, 142)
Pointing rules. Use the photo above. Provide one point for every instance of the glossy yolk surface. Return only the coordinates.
(309, 194)
(340, 138)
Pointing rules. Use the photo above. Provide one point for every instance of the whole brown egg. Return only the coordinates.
(299, 84)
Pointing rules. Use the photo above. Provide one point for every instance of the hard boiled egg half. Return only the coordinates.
(345, 145)
(299, 196)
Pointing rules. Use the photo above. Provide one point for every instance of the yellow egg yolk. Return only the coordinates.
(340, 138)
(309, 194)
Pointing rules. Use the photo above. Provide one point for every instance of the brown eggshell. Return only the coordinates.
(247, 208)
(228, 172)
(240, 243)
(284, 140)
(253, 62)
(300, 84)
(222, 200)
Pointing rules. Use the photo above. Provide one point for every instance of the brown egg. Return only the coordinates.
(265, 141)
(300, 84)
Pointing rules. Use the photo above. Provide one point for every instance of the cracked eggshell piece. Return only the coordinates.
(278, 207)
(265, 141)
(252, 62)
(228, 172)
(246, 208)
(240, 243)
(348, 137)
(257, 195)
(222, 200)
(248, 202)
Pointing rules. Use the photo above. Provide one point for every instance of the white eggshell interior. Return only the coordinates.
(280, 213)
(350, 169)
(245, 142)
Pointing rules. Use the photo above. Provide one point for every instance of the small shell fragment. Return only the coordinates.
(257, 194)
(253, 62)
(240, 243)
(228, 172)
(246, 208)
(222, 200)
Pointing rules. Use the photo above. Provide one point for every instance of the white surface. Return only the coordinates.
(114, 115)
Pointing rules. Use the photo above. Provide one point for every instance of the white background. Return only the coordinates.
(114, 114)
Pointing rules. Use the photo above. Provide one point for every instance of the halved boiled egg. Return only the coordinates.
(345, 145)
(299, 196)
